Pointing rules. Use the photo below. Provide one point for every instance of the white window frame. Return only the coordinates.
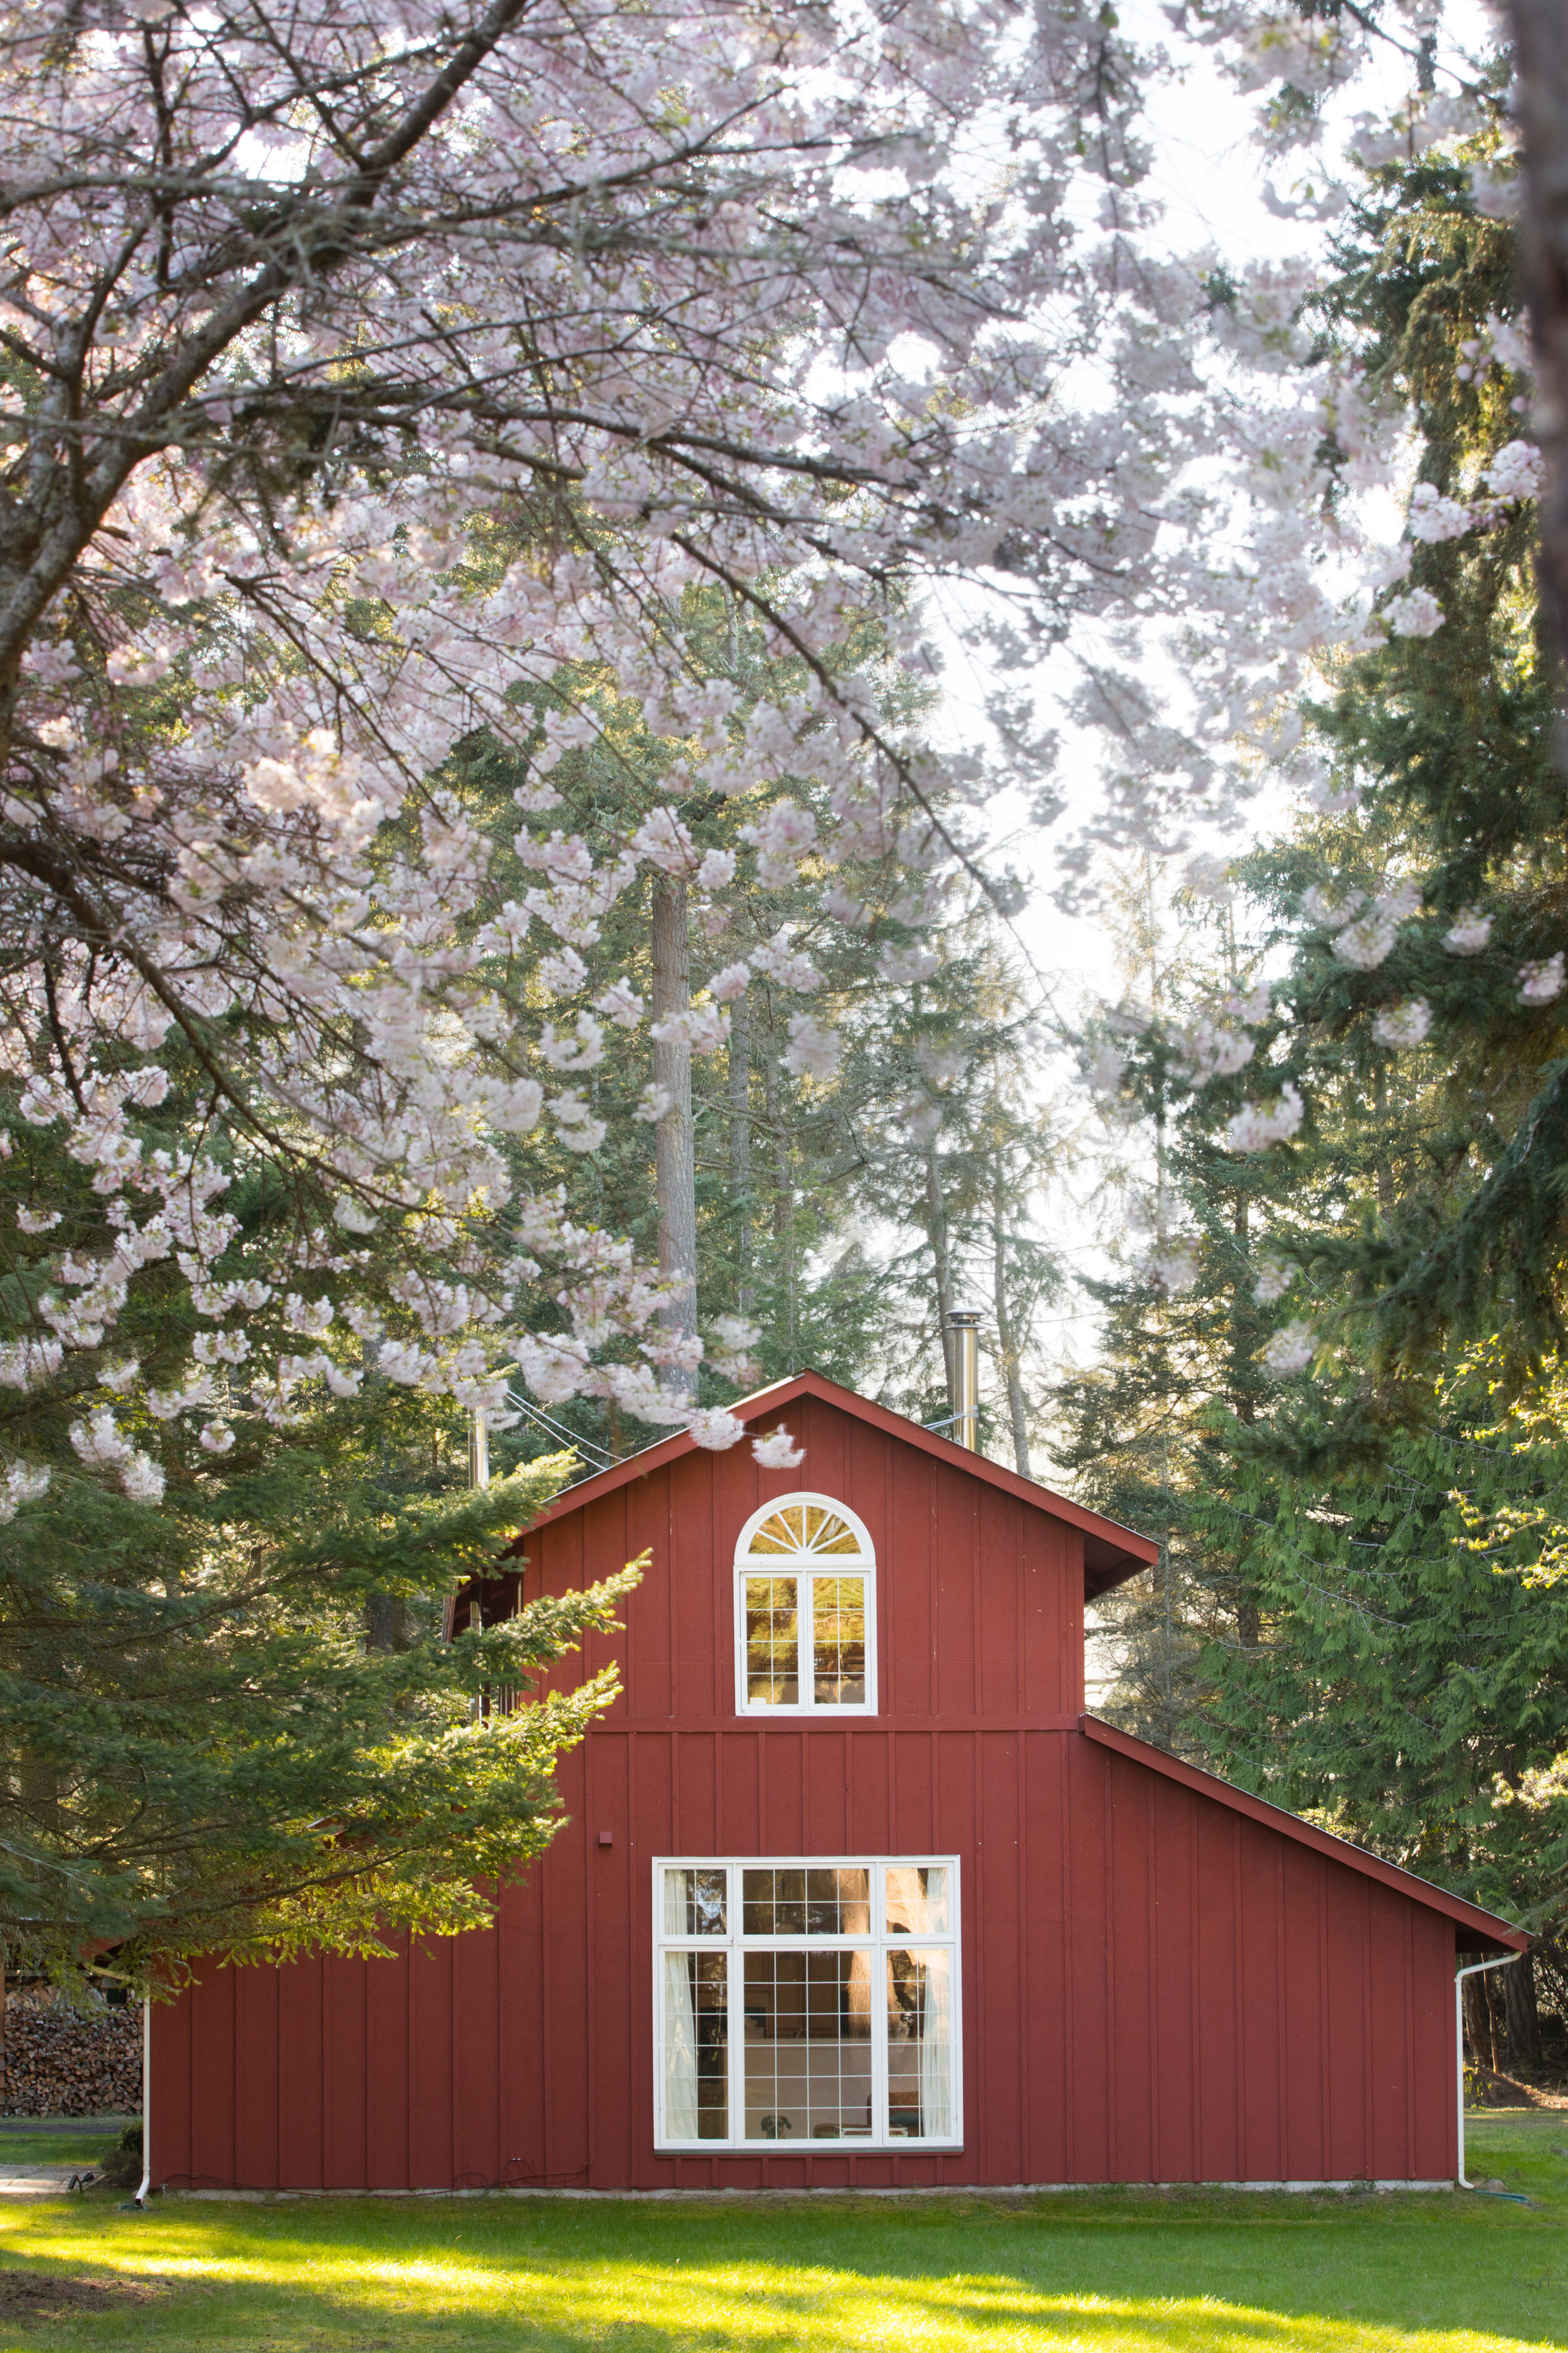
(805, 1568)
(879, 1940)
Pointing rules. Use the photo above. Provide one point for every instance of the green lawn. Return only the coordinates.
(1084, 2272)
(63, 2140)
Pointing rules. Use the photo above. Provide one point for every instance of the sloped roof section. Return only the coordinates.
(1110, 1553)
(1479, 1931)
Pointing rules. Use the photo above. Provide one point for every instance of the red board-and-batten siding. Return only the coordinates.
(1160, 1983)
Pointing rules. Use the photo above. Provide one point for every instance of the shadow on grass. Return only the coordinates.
(1137, 2273)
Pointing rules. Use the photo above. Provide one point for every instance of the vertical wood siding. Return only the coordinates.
(980, 1595)
(1154, 1988)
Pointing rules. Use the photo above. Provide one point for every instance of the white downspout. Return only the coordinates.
(147, 2101)
(1474, 1969)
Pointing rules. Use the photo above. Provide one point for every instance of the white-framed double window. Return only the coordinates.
(803, 2003)
(806, 1610)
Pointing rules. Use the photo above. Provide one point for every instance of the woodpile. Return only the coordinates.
(59, 2061)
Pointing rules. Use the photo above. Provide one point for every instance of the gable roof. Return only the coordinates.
(1110, 1553)
(1478, 1929)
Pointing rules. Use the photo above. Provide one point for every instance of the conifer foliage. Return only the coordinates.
(1335, 1385)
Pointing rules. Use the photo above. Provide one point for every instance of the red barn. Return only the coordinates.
(853, 1893)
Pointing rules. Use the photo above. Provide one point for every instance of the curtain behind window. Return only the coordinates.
(936, 2048)
(680, 2046)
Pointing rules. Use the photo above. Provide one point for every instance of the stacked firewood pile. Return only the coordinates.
(59, 2061)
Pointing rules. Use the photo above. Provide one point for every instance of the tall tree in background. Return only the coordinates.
(1369, 1456)
(961, 1144)
(764, 966)
(1541, 69)
(1182, 1327)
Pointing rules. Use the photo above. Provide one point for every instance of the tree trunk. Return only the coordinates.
(1386, 1195)
(1248, 1619)
(675, 1164)
(784, 1203)
(938, 1237)
(1007, 1346)
(1478, 2022)
(1541, 60)
(386, 1622)
(1519, 2003)
(740, 1149)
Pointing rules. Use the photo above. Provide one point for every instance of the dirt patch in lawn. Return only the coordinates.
(35, 2295)
(1536, 2087)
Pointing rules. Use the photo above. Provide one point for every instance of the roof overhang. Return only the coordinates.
(1475, 1931)
(1111, 1554)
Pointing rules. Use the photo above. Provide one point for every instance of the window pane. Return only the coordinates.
(785, 1532)
(838, 1902)
(920, 2046)
(808, 2046)
(838, 1642)
(696, 2046)
(826, 1532)
(773, 1666)
(830, 1902)
(917, 1901)
(694, 1903)
(805, 1527)
(773, 1904)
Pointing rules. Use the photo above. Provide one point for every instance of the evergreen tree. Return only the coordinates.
(1181, 1328)
(1350, 1399)
(1455, 943)
(1412, 1686)
(228, 1718)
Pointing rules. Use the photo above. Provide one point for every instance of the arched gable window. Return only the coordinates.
(806, 1590)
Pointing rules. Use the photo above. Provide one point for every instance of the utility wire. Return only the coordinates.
(559, 1429)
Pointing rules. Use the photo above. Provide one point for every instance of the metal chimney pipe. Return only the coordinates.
(478, 1449)
(963, 1330)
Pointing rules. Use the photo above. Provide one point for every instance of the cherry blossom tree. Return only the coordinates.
(365, 370)
(366, 379)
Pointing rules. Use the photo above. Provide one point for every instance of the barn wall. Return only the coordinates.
(1155, 1987)
(980, 1595)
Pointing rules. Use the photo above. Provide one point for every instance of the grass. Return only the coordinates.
(67, 2140)
(1083, 2273)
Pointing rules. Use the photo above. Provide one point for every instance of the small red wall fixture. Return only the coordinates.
(851, 1892)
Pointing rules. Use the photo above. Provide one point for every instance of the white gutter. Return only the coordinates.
(1459, 1976)
(141, 2199)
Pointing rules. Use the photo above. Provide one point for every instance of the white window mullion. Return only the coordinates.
(874, 2070)
(735, 1967)
(880, 2004)
(803, 1562)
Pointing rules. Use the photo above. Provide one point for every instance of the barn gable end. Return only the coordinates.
(979, 1590)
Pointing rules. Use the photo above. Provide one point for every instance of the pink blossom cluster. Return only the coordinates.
(397, 384)
(398, 380)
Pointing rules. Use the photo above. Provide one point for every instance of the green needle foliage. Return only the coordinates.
(1412, 1687)
(230, 1722)
(204, 1748)
(1453, 740)
(1361, 1610)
